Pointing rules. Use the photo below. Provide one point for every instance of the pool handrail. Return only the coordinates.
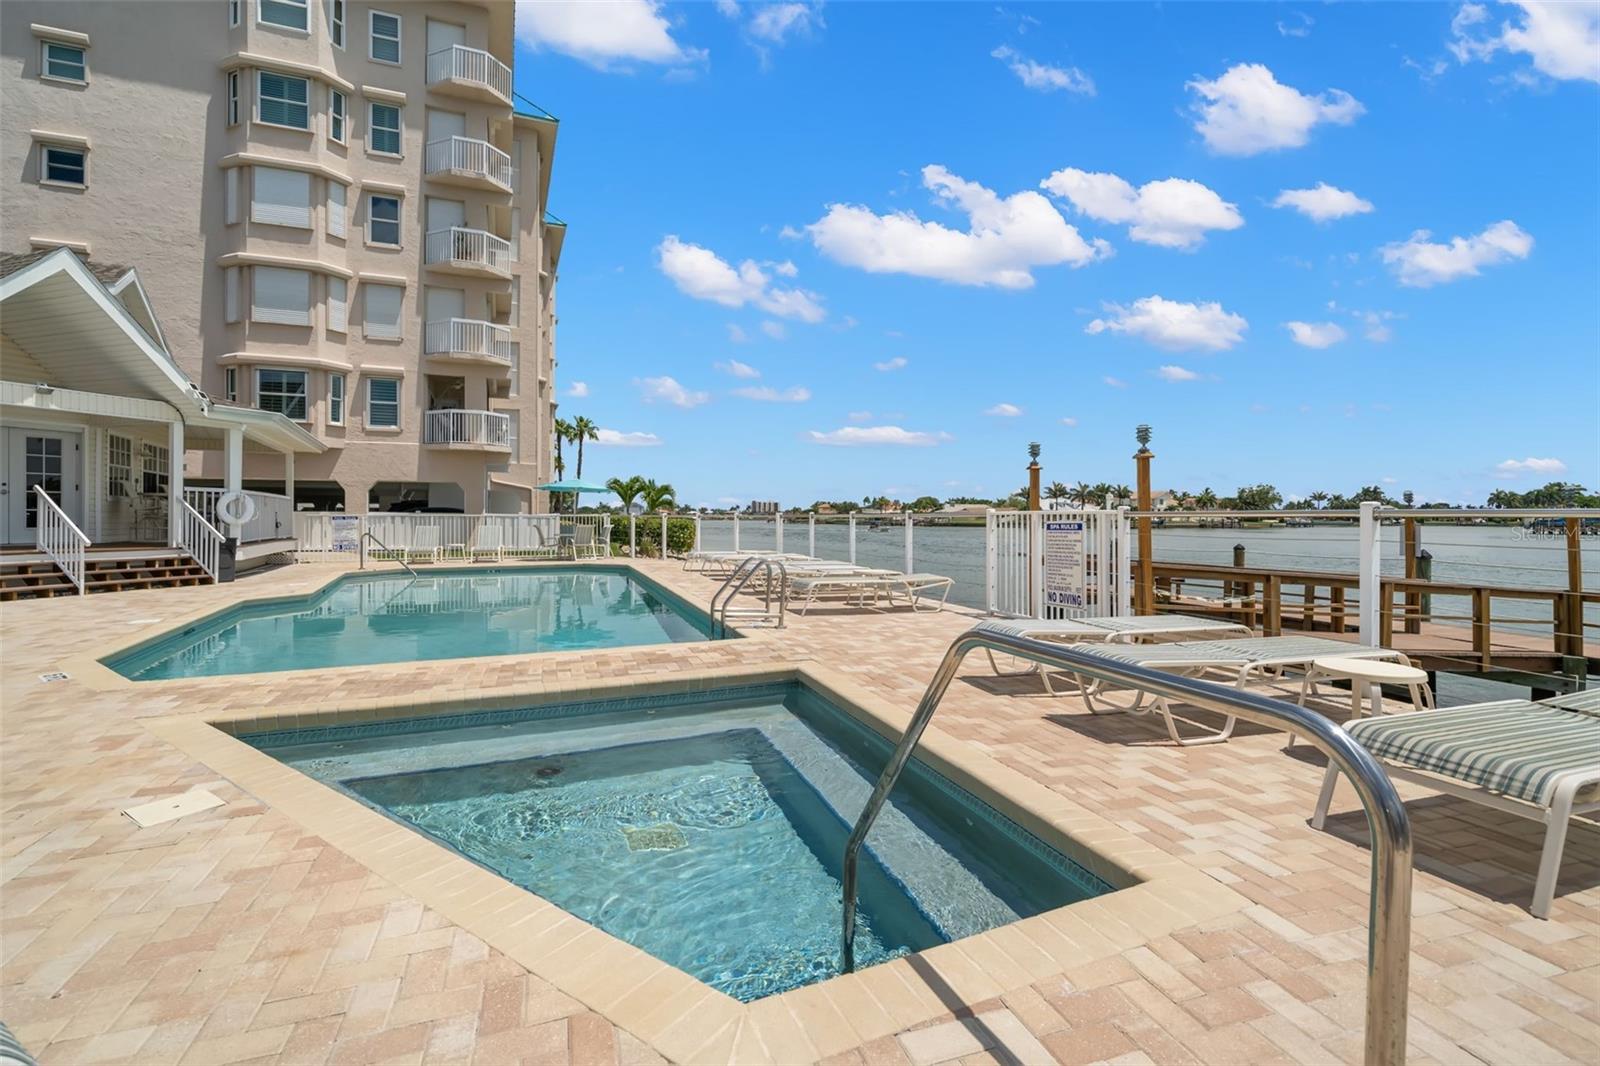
(1389, 915)
(369, 535)
(735, 582)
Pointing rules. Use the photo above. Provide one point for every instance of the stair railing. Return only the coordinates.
(59, 538)
(201, 539)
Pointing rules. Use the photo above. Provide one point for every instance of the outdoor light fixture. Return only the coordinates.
(1142, 435)
(43, 388)
(1033, 451)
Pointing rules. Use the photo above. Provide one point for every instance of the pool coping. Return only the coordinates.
(683, 1019)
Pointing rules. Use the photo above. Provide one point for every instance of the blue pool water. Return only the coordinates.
(365, 619)
(705, 830)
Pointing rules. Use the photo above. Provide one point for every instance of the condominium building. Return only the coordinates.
(338, 211)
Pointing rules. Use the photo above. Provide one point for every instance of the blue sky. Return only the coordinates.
(1317, 245)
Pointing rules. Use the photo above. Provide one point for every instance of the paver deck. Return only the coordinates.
(236, 935)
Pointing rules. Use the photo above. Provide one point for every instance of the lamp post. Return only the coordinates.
(1144, 589)
(1033, 476)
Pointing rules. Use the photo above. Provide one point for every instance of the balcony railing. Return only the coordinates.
(472, 251)
(470, 337)
(471, 69)
(482, 429)
(475, 161)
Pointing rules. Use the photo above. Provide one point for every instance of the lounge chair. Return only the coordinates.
(425, 545)
(1537, 760)
(490, 543)
(859, 583)
(919, 588)
(1121, 629)
(1242, 661)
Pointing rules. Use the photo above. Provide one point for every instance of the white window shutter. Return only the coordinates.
(338, 305)
(282, 197)
(381, 306)
(516, 232)
(336, 209)
(281, 296)
(231, 196)
(230, 292)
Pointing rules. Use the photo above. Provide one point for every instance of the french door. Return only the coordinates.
(30, 457)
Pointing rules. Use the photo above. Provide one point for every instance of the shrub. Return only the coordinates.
(680, 535)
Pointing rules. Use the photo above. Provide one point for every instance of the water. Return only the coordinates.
(708, 834)
(368, 619)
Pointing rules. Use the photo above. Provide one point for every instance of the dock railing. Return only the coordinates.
(522, 536)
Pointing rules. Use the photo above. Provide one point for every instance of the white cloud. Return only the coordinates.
(1375, 325)
(612, 438)
(728, 8)
(773, 329)
(1420, 262)
(789, 233)
(1043, 77)
(1247, 111)
(1069, 421)
(667, 390)
(1115, 383)
(701, 273)
(1298, 25)
(1324, 203)
(1315, 334)
(767, 394)
(1004, 410)
(578, 390)
(602, 35)
(785, 269)
(1517, 467)
(866, 435)
(1173, 325)
(1171, 213)
(737, 369)
(1562, 39)
(775, 23)
(1176, 373)
(899, 362)
(1006, 238)
(859, 416)
(736, 333)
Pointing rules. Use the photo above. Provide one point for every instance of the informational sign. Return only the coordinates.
(346, 532)
(1063, 563)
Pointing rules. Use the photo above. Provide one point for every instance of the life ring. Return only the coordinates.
(227, 503)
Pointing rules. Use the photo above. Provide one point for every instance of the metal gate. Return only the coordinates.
(1014, 544)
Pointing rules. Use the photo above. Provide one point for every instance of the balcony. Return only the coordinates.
(469, 72)
(470, 341)
(467, 430)
(474, 253)
(469, 162)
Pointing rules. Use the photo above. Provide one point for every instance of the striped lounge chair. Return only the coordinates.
(1537, 760)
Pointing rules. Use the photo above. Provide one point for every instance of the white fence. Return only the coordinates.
(1020, 568)
(273, 520)
(469, 156)
(461, 246)
(469, 336)
(532, 535)
(490, 429)
(463, 64)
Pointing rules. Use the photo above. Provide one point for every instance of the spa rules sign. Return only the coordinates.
(1063, 563)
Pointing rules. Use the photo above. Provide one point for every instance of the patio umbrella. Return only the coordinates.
(574, 486)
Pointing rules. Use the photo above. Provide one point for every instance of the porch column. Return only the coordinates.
(175, 483)
(288, 478)
(233, 477)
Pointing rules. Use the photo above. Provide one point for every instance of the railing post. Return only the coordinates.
(736, 531)
(777, 532)
(1482, 636)
(989, 557)
(696, 531)
(1369, 563)
(633, 537)
(1574, 596)
(811, 536)
(1036, 564)
(908, 542)
(1412, 598)
(852, 538)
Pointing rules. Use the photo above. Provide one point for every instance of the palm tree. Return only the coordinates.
(656, 496)
(628, 491)
(1207, 499)
(1122, 493)
(1081, 494)
(1057, 491)
(1319, 497)
(583, 429)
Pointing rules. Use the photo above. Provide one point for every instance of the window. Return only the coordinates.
(233, 97)
(336, 399)
(287, 13)
(282, 197)
(385, 37)
(336, 22)
(60, 165)
(336, 116)
(119, 465)
(156, 466)
(383, 129)
(282, 296)
(338, 305)
(64, 62)
(383, 220)
(283, 100)
(233, 11)
(230, 384)
(336, 209)
(383, 403)
(381, 307)
(283, 391)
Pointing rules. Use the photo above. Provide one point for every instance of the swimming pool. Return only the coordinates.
(705, 829)
(372, 618)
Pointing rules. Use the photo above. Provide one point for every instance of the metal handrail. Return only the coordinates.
(369, 535)
(1389, 918)
(735, 583)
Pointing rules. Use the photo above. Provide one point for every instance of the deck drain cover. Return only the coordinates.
(56, 676)
(665, 837)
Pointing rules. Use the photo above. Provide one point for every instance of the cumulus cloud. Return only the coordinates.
(1171, 213)
(703, 274)
(1517, 467)
(667, 390)
(1069, 421)
(1006, 237)
(1421, 263)
(1562, 40)
(1248, 111)
(1315, 334)
(776, 23)
(1115, 383)
(1298, 24)
(1004, 410)
(848, 436)
(612, 438)
(578, 390)
(767, 394)
(605, 36)
(737, 369)
(1173, 325)
(1176, 373)
(1042, 77)
(899, 362)
(1375, 325)
(1323, 203)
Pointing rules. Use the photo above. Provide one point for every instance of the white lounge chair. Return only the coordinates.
(919, 588)
(425, 545)
(1122, 629)
(490, 543)
(1536, 760)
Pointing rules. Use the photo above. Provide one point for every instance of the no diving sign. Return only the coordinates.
(1063, 563)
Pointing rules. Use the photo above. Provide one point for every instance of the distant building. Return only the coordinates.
(763, 506)
(825, 508)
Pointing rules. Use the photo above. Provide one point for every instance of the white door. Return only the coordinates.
(444, 34)
(445, 214)
(38, 457)
(445, 304)
(445, 124)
